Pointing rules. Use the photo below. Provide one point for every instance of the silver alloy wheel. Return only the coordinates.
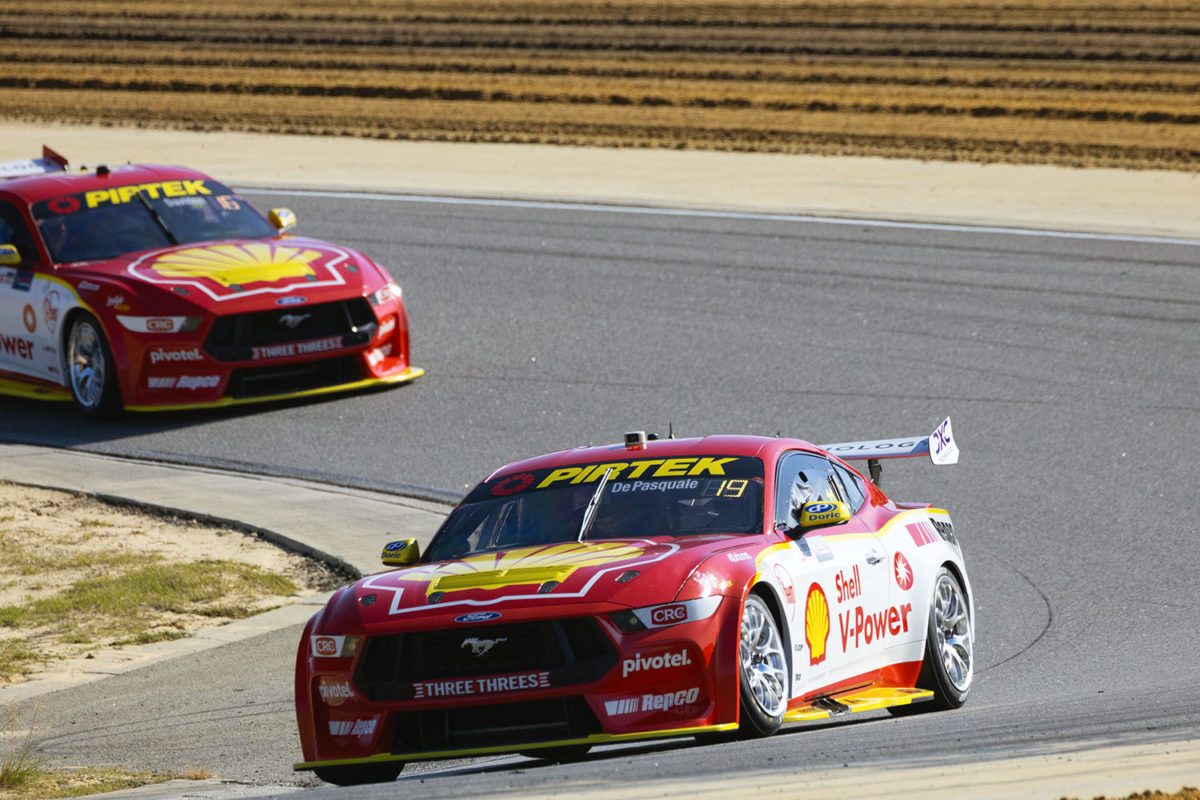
(952, 624)
(763, 661)
(87, 364)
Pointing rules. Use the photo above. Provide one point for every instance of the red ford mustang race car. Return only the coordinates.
(644, 590)
(159, 288)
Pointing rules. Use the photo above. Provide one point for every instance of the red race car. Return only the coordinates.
(723, 585)
(154, 288)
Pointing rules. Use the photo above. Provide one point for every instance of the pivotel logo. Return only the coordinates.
(478, 616)
(641, 663)
(161, 354)
(335, 693)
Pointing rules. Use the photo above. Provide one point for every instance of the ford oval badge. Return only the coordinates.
(478, 616)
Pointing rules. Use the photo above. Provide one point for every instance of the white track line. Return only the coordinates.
(740, 215)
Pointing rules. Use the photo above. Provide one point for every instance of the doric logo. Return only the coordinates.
(480, 647)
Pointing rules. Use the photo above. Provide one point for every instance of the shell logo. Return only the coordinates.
(522, 566)
(902, 571)
(234, 266)
(816, 623)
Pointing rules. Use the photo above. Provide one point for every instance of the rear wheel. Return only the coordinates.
(763, 671)
(91, 373)
(355, 774)
(949, 664)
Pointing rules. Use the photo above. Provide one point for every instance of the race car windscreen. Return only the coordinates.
(641, 498)
(104, 223)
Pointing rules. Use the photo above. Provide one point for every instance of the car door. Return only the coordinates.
(19, 320)
(841, 574)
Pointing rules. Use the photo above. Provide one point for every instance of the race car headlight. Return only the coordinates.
(384, 294)
(160, 324)
(660, 616)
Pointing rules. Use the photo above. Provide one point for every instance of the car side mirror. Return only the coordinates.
(822, 514)
(282, 218)
(403, 553)
(9, 255)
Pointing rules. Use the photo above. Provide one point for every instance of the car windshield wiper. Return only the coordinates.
(589, 513)
(157, 218)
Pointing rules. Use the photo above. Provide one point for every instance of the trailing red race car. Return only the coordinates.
(643, 590)
(155, 288)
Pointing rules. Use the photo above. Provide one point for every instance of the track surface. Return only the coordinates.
(1069, 366)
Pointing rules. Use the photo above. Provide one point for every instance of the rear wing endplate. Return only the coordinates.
(49, 162)
(939, 446)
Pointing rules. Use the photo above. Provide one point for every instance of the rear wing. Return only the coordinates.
(939, 446)
(49, 162)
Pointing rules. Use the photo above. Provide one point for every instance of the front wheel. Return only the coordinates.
(949, 664)
(763, 671)
(91, 373)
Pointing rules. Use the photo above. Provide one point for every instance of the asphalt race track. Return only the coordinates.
(1070, 367)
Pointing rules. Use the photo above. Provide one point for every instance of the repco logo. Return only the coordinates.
(641, 663)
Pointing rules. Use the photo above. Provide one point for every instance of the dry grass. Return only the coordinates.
(1028, 81)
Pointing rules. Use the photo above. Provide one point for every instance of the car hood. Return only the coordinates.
(530, 581)
(241, 274)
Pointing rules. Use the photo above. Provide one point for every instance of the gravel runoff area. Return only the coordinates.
(1113, 201)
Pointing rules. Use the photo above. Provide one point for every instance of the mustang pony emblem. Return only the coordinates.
(480, 647)
(293, 320)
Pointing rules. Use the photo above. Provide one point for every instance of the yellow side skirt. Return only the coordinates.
(599, 738)
(33, 391)
(863, 700)
(400, 377)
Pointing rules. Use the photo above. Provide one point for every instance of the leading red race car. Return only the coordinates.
(154, 288)
(643, 590)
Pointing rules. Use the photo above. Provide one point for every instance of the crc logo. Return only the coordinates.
(160, 325)
(327, 646)
(478, 616)
(669, 615)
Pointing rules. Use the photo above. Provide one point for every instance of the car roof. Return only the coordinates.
(765, 447)
(35, 188)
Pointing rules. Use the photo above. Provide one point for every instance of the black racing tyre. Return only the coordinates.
(91, 371)
(559, 755)
(949, 664)
(356, 774)
(763, 671)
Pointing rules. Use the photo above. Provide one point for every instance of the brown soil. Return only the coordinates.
(1027, 81)
(52, 539)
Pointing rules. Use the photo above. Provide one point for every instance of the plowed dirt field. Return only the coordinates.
(1025, 81)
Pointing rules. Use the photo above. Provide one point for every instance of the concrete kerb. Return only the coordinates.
(345, 528)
